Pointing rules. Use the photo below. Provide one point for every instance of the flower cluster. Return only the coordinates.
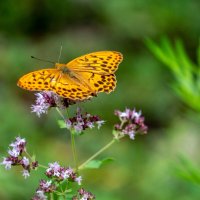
(48, 99)
(83, 195)
(44, 187)
(58, 174)
(62, 173)
(83, 121)
(131, 123)
(18, 147)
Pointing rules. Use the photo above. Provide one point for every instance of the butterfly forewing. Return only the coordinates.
(39, 80)
(55, 80)
(102, 62)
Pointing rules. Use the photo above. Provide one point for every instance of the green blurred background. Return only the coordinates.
(143, 168)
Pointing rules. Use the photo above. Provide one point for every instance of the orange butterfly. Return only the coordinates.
(79, 79)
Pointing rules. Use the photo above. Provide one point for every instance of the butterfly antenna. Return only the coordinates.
(60, 53)
(42, 60)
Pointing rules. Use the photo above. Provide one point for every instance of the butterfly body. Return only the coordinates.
(65, 70)
(79, 79)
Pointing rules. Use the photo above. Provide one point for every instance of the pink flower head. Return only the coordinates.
(7, 163)
(54, 169)
(83, 121)
(18, 146)
(131, 123)
(15, 157)
(47, 99)
(39, 195)
(25, 162)
(84, 195)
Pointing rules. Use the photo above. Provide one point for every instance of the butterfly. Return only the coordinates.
(79, 79)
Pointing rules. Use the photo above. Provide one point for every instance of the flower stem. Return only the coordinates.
(42, 166)
(72, 141)
(28, 155)
(74, 150)
(51, 196)
(97, 153)
(60, 113)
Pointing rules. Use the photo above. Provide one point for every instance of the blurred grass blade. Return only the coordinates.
(188, 171)
(156, 50)
(184, 61)
(187, 74)
(165, 53)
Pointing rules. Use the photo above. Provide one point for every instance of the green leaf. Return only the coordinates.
(95, 164)
(62, 124)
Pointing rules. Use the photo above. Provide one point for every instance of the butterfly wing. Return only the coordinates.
(97, 69)
(72, 88)
(102, 62)
(83, 77)
(39, 80)
(56, 81)
(98, 82)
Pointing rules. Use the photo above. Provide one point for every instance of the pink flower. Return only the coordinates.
(83, 121)
(84, 195)
(16, 158)
(78, 180)
(131, 123)
(25, 173)
(25, 162)
(7, 163)
(39, 195)
(47, 99)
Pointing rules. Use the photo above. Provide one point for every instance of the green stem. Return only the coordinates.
(74, 150)
(72, 141)
(42, 166)
(97, 153)
(28, 155)
(51, 196)
(60, 113)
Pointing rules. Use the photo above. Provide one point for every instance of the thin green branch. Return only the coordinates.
(97, 153)
(60, 113)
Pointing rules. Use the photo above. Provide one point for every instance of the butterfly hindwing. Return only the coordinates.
(97, 82)
(72, 88)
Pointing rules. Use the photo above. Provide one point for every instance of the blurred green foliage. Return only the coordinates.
(186, 73)
(188, 171)
(143, 168)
